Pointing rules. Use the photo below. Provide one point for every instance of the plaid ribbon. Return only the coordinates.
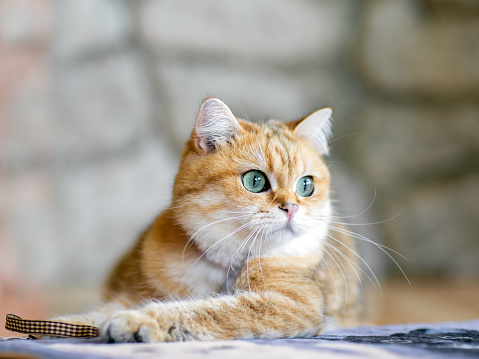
(45, 327)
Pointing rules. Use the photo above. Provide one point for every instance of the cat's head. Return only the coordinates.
(249, 189)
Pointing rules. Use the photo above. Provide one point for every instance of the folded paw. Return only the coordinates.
(134, 326)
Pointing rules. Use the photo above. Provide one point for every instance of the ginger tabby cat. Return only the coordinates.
(245, 249)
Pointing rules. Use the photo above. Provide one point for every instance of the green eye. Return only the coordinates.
(255, 181)
(305, 186)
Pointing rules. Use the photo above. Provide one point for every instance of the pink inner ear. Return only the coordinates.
(200, 144)
(215, 124)
(317, 128)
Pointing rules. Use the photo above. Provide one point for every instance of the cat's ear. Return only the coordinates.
(215, 124)
(317, 128)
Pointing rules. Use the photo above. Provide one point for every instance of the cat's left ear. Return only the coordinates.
(215, 124)
(317, 128)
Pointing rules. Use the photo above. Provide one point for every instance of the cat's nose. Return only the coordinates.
(290, 209)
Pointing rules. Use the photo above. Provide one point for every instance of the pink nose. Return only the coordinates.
(290, 209)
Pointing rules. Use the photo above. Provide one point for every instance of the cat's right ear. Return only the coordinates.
(215, 124)
(317, 128)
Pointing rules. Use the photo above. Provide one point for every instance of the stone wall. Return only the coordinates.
(419, 61)
(98, 96)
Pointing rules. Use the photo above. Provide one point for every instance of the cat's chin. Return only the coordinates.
(285, 233)
(293, 228)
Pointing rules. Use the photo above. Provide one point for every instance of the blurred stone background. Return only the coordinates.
(98, 96)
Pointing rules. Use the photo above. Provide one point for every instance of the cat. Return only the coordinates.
(245, 250)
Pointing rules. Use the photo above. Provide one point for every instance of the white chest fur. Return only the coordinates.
(201, 277)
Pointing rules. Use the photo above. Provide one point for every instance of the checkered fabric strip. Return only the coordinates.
(57, 329)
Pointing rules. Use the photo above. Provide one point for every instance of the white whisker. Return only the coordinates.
(342, 273)
(218, 242)
(352, 264)
(330, 272)
(262, 231)
(186, 203)
(356, 215)
(192, 238)
(379, 246)
(241, 246)
(221, 220)
(376, 281)
(368, 224)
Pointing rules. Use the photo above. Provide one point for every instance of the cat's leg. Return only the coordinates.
(273, 302)
(94, 317)
(242, 316)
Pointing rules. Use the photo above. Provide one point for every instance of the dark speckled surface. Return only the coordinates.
(440, 340)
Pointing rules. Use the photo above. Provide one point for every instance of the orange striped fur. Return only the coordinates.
(223, 262)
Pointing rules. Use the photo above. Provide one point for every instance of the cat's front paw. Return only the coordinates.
(132, 326)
